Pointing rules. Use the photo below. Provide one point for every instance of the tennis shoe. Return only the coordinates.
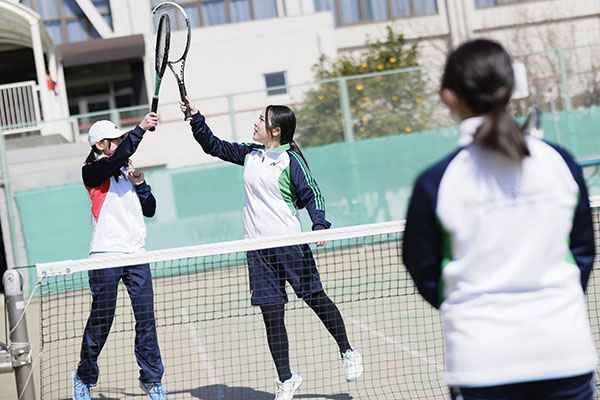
(352, 364)
(285, 390)
(156, 391)
(81, 390)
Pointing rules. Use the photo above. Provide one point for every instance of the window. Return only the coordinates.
(491, 3)
(124, 94)
(66, 22)
(216, 12)
(275, 80)
(264, 9)
(376, 10)
(114, 86)
(347, 12)
(327, 5)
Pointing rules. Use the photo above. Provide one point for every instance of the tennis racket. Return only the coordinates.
(180, 43)
(161, 47)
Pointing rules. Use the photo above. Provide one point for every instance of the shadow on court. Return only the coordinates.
(224, 392)
(339, 396)
(102, 397)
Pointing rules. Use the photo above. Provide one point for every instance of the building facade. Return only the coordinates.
(106, 57)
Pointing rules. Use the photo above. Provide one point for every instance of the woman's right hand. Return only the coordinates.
(193, 108)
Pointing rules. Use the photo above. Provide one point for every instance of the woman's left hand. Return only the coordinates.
(150, 120)
(320, 244)
(136, 177)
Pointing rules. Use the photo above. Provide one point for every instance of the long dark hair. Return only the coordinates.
(283, 117)
(92, 157)
(480, 72)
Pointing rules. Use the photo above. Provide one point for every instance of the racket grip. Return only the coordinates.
(154, 108)
(182, 94)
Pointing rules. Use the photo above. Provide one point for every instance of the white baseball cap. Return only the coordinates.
(103, 130)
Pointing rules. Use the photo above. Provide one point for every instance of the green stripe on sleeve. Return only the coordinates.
(447, 257)
(569, 256)
(319, 201)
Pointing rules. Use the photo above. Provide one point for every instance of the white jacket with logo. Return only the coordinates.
(277, 182)
(505, 251)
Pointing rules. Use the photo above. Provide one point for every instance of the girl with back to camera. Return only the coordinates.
(499, 237)
(120, 199)
(277, 182)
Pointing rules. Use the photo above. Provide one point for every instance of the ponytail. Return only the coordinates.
(480, 73)
(92, 156)
(296, 149)
(500, 132)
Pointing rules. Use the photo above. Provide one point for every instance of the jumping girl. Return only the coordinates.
(120, 199)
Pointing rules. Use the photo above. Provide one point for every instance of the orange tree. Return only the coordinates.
(380, 104)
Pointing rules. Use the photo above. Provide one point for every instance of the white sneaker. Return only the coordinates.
(285, 390)
(352, 364)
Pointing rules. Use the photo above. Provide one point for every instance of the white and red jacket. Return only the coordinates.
(118, 206)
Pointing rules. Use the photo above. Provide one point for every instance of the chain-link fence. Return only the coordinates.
(561, 79)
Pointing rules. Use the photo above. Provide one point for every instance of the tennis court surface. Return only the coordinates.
(213, 342)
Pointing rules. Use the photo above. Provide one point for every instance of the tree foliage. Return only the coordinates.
(380, 104)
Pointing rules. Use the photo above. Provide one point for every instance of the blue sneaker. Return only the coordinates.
(156, 391)
(81, 390)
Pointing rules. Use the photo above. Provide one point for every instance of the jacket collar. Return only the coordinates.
(467, 129)
(280, 149)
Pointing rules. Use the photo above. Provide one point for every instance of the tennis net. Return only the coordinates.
(213, 342)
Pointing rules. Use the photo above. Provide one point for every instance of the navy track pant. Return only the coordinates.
(104, 286)
(270, 269)
(580, 387)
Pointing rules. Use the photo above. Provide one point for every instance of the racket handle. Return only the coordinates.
(182, 94)
(154, 108)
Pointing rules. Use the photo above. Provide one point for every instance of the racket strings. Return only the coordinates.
(162, 43)
(179, 30)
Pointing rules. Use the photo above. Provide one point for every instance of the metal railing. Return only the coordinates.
(19, 107)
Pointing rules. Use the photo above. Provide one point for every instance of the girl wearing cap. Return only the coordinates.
(120, 199)
(277, 182)
(499, 237)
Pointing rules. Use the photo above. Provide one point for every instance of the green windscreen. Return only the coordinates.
(363, 182)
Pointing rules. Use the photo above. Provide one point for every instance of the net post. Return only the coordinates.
(20, 347)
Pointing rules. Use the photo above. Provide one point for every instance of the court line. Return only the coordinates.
(208, 366)
(396, 344)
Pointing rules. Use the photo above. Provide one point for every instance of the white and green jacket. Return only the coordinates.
(505, 251)
(277, 182)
